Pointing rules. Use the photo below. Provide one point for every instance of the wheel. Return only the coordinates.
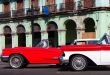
(16, 61)
(78, 63)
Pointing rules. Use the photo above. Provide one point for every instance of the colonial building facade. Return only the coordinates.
(23, 23)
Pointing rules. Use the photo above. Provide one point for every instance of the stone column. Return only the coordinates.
(80, 32)
(61, 37)
(13, 7)
(1, 8)
(61, 31)
(44, 35)
(14, 40)
(28, 40)
(27, 5)
(2, 41)
(80, 26)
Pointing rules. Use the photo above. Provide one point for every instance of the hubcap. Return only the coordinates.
(78, 63)
(15, 62)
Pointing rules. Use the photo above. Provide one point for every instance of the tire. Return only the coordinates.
(78, 63)
(16, 61)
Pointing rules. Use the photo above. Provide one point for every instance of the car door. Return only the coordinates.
(51, 55)
(44, 55)
(105, 54)
(35, 55)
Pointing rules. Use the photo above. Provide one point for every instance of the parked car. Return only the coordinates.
(22, 56)
(79, 57)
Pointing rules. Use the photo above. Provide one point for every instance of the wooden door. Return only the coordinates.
(34, 3)
(49, 2)
(87, 35)
(88, 3)
(6, 7)
(69, 4)
(51, 5)
(20, 4)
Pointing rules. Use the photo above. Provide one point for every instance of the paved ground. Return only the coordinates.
(51, 70)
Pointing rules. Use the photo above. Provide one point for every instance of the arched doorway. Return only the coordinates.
(71, 33)
(52, 34)
(36, 34)
(89, 28)
(8, 37)
(21, 36)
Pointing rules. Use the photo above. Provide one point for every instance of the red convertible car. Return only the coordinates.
(41, 54)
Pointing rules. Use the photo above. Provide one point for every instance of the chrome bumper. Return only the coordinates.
(4, 58)
(63, 61)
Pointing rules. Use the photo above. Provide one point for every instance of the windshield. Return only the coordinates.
(85, 42)
(93, 42)
(105, 39)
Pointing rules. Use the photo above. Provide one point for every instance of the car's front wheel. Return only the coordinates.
(16, 61)
(78, 63)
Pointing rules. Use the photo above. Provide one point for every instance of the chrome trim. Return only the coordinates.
(4, 56)
(62, 61)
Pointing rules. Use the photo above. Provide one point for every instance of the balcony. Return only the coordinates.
(5, 15)
(33, 11)
(18, 13)
(49, 9)
(66, 7)
(52, 8)
(85, 5)
(63, 8)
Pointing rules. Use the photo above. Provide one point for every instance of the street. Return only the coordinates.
(51, 70)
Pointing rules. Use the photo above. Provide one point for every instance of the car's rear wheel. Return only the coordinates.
(78, 63)
(16, 61)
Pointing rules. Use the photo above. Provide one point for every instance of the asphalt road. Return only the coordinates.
(51, 70)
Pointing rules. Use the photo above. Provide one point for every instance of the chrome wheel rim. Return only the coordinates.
(78, 63)
(15, 62)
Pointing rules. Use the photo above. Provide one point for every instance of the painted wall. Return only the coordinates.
(102, 3)
(0, 6)
(58, 2)
(102, 22)
(27, 5)
(41, 3)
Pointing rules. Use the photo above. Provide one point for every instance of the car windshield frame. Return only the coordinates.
(85, 41)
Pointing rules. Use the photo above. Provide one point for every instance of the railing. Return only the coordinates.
(85, 5)
(32, 11)
(66, 7)
(50, 8)
(5, 15)
(18, 13)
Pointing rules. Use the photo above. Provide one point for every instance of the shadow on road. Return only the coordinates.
(95, 68)
(34, 67)
(63, 68)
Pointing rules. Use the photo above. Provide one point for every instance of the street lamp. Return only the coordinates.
(32, 23)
